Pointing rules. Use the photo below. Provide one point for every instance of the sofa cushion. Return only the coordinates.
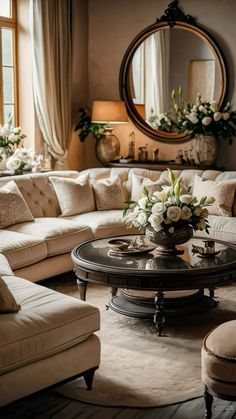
(75, 196)
(105, 223)
(223, 192)
(221, 228)
(13, 208)
(108, 193)
(48, 323)
(8, 303)
(21, 249)
(60, 235)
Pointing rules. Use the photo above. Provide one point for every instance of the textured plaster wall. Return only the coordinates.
(112, 26)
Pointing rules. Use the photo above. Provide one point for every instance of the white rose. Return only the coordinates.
(186, 213)
(186, 199)
(142, 217)
(214, 106)
(17, 130)
(158, 208)
(155, 221)
(12, 138)
(225, 116)
(13, 163)
(173, 213)
(206, 120)
(202, 109)
(143, 202)
(193, 117)
(217, 116)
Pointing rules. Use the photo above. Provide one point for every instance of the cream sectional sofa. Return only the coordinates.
(41, 248)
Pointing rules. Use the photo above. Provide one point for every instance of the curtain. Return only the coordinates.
(51, 36)
(150, 71)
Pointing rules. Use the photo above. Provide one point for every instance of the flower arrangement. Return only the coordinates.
(199, 118)
(24, 159)
(85, 125)
(10, 137)
(168, 209)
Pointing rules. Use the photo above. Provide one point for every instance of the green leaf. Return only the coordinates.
(171, 176)
(203, 200)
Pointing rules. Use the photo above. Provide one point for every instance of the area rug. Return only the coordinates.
(140, 369)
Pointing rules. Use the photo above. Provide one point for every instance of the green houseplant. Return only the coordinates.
(86, 126)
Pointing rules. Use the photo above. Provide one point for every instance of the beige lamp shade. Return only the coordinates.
(109, 111)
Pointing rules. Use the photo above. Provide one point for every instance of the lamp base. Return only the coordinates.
(107, 147)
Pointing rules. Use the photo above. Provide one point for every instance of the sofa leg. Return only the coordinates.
(208, 403)
(88, 378)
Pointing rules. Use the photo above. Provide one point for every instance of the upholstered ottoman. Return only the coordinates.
(49, 340)
(219, 364)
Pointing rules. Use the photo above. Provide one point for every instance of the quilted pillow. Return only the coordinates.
(75, 196)
(108, 193)
(8, 303)
(223, 192)
(13, 208)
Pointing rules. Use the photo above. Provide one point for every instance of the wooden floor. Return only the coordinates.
(48, 404)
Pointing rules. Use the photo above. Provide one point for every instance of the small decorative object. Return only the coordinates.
(118, 244)
(207, 251)
(155, 154)
(168, 217)
(143, 153)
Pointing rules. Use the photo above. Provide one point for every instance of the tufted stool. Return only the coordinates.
(219, 364)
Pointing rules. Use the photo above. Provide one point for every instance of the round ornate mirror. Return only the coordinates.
(172, 55)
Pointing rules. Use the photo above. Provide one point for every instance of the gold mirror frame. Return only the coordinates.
(173, 17)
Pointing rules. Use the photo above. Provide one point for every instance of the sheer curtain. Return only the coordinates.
(150, 71)
(51, 35)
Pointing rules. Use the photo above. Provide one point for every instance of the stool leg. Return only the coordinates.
(208, 403)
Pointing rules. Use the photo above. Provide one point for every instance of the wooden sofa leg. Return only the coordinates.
(208, 403)
(88, 377)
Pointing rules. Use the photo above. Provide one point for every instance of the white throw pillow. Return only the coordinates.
(139, 182)
(75, 196)
(8, 303)
(13, 208)
(223, 192)
(108, 193)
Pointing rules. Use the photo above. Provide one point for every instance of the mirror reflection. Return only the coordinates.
(167, 59)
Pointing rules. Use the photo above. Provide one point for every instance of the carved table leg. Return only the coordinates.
(208, 403)
(159, 318)
(82, 285)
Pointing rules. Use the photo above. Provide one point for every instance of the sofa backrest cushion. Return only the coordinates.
(38, 191)
(13, 208)
(75, 196)
(108, 193)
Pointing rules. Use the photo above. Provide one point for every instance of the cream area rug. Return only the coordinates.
(140, 369)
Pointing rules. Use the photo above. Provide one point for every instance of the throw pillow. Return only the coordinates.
(223, 192)
(75, 196)
(139, 182)
(108, 193)
(13, 208)
(8, 303)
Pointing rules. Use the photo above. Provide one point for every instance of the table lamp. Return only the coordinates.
(108, 112)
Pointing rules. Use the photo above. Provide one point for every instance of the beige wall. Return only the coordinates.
(113, 25)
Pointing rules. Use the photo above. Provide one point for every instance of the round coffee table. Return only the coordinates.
(186, 275)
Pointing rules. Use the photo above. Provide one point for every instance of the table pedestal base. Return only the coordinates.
(160, 306)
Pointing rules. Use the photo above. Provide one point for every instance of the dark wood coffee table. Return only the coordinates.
(94, 263)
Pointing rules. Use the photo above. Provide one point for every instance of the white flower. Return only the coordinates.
(214, 106)
(194, 108)
(158, 208)
(186, 213)
(17, 130)
(5, 131)
(155, 221)
(142, 217)
(202, 109)
(206, 120)
(173, 213)
(225, 116)
(186, 199)
(217, 116)
(143, 202)
(193, 117)
(13, 163)
(12, 138)
(162, 195)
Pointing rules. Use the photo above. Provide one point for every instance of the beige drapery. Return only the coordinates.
(51, 35)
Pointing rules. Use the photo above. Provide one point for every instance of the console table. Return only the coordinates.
(161, 165)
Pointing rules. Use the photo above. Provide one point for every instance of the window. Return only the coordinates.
(8, 85)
